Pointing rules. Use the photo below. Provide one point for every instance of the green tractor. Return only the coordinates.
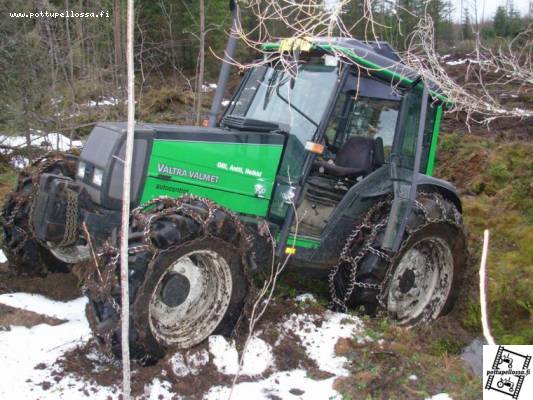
(327, 160)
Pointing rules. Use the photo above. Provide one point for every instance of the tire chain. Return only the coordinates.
(34, 172)
(457, 223)
(345, 256)
(100, 284)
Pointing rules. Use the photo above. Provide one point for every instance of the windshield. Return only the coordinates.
(297, 105)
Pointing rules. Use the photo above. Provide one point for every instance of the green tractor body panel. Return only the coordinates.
(239, 176)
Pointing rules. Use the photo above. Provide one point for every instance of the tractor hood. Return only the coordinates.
(237, 169)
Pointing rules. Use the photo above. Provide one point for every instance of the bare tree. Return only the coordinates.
(69, 45)
(117, 40)
(126, 189)
(201, 64)
(266, 293)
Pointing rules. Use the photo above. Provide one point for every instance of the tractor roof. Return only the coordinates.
(377, 56)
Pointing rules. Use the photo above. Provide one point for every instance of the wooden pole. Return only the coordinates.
(482, 294)
(126, 190)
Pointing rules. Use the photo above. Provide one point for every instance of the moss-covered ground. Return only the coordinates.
(495, 179)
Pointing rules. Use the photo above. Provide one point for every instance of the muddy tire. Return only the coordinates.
(426, 274)
(193, 285)
(25, 254)
(420, 283)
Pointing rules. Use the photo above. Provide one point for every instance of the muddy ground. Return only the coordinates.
(381, 358)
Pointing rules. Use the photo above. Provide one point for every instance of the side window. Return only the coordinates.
(407, 138)
(366, 107)
(428, 135)
(248, 91)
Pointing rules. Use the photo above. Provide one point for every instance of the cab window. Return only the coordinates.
(407, 138)
(366, 107)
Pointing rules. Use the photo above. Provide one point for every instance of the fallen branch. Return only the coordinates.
(266, 293)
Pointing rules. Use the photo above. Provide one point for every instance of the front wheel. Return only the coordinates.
(192, 292)
(188, 279)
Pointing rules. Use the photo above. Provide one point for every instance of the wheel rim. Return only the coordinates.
(190, 299)
(72, 254)
(422, 281)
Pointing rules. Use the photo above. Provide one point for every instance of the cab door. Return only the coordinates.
(405, 162)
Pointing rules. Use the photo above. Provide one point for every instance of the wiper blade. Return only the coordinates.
(295, 108)
(249, 124)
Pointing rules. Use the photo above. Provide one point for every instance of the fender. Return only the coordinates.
(355, 202)
(445, 188)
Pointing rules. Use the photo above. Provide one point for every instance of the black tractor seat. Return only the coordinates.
(359, 156)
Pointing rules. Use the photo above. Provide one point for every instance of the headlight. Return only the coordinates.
(97, 176)
(81, 170)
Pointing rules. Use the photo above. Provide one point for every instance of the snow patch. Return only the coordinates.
(178, 365)
(73, 310)
(225, 356)
(209, 87)
(319, 342)
(21, 349)
(293, 384)
(305, 297)
(158, 390)
(461, 61)
(104, 101)
(440, 396)
(256, 359)
(189, 364)
(3, 257)
(197, 360)
(49, 141)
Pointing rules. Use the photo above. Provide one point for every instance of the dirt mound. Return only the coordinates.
(463, 69)
(11, 316)
(57, 286)
(501, 129)
(296, 347)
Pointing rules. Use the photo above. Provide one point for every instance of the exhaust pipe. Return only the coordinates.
(226, 66)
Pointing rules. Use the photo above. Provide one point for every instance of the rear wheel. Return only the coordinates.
(25, 254)
(426, 273)
(190, 283)
(417, 284)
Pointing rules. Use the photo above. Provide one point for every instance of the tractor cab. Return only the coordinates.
(341, 123)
